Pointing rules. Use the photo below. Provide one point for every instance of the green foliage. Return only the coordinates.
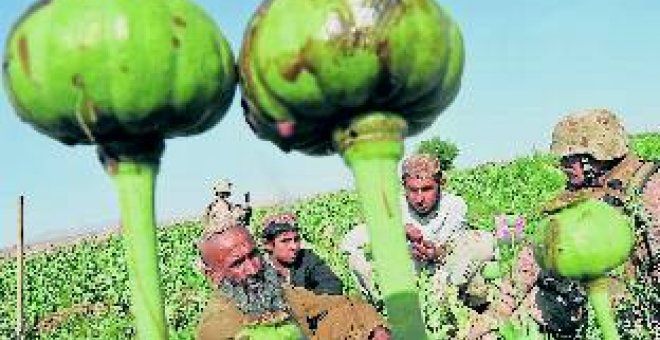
(62, 284)
(271, 332)
(646, 145)
(94, 272)
(444, 315)
(519, 187)
(527, 329)
(445, 151)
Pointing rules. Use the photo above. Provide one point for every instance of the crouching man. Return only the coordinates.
(435, 225)
(250, 302)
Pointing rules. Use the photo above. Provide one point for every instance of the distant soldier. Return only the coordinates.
(221, 211)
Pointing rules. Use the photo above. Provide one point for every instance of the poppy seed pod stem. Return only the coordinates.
(84, 83)
(584, 241)
(373, 149)
(134, 174)
(600, 301)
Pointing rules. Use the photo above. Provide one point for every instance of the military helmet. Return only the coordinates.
(222, 186)
(597, 132)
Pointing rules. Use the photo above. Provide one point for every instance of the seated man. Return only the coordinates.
(296, 266)
(250, 301)
(435, 227)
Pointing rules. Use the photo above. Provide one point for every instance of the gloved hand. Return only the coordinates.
(562, 304)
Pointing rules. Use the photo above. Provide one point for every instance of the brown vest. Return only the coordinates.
(622, 188)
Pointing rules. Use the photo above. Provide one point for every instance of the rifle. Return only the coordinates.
(247, 208)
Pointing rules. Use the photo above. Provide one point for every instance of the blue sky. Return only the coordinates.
(527, 64)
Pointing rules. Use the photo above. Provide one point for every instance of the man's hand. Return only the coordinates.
(440, 252)
(423, 250)
(413, 233)
(380, 333)
(420, 250)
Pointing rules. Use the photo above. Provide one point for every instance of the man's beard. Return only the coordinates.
(423, 215)
(259, 294)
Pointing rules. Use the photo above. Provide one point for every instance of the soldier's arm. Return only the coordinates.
(651, 198)
(206, 217)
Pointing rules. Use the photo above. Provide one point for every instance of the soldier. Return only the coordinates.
(221, 210)
(596, 157)
(435, 226)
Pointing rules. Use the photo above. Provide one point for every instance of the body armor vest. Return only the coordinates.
(622, 188)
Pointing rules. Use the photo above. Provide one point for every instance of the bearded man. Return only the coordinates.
(250, 301)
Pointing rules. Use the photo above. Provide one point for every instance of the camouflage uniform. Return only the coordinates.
(221, 211)
(633, 185)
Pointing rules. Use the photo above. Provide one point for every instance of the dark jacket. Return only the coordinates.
(311, 273)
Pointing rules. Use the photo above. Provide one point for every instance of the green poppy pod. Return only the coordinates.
(308, 68)
(585, 240)
(95, 72)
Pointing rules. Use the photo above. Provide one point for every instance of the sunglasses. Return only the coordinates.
(568, 161)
